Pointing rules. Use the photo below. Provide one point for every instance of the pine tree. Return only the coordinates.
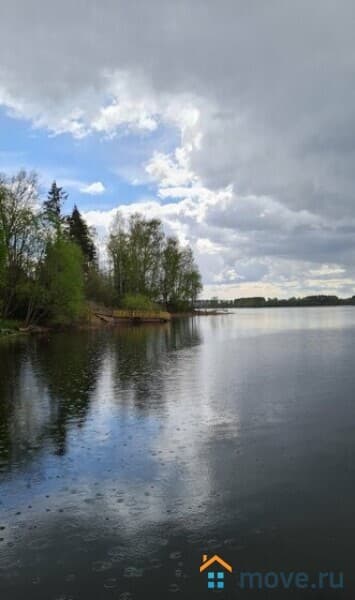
(80, 233)
(53, 205)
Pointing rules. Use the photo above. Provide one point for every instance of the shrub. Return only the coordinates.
(138, 302)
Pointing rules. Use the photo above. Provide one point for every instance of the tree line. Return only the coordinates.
(49, 260)
(261, 302)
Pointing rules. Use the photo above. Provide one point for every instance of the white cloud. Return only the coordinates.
(261, 178)
(325, 270)
(93, 189)
(113, 116)
(171, 171)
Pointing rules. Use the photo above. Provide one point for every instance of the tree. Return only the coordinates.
(80, 233)
(63, 278)
(192, 285)
(146, 264)
(135, 251)
(118, 251)
(2, 264)
(46, 269)
(181, 280)
(170, 271)
(52, 207)
(22, 235)
(144, 251)
(99, 287)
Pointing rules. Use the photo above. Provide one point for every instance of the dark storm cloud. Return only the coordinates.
(274, 83)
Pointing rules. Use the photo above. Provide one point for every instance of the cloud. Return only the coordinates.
(261, 97)
(93, 189)
(171, 171)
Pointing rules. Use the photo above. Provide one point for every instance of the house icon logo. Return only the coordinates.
(215, 568)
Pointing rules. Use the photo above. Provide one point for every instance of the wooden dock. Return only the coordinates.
(133, 316)
(141, 316)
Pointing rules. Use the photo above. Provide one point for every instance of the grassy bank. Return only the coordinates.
(9, 327)
(97, 317)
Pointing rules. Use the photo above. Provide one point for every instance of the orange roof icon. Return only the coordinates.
(207, 562)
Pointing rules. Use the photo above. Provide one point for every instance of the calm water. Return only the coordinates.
(126, 455)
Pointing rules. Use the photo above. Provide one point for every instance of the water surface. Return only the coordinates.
(125, 455)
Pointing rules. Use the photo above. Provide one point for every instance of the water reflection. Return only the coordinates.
(67, 367)
(47, 383)
(127, 454)
(142, 357)
(12, 365)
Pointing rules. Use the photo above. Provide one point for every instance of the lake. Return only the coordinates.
(126, 455)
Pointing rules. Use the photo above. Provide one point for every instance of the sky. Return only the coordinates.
(233, 122)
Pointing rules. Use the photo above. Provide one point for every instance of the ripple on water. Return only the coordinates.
(38, 544)
(90, 537)
(160, 541)
(133, 572)
(155, 563)
(110, 583)
(116, 553)
(101, 565)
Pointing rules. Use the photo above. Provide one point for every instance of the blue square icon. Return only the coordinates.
(210, 585)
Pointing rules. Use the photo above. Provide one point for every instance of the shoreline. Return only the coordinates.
(13, 328)
(93, 323)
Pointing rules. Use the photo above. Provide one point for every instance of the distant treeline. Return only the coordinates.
(260, 302)
(49, 267)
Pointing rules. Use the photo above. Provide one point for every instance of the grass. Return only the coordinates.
(9, 326)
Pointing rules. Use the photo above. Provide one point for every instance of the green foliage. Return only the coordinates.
(146, 263)
(138, 302)
(80, 233)
(180, 281)
(9, 324)
(135, 250)
(22, 237)
(2, 258)
(64, 282)
(180, 306)
(99, 287)
(48, 261)
(52, 207)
